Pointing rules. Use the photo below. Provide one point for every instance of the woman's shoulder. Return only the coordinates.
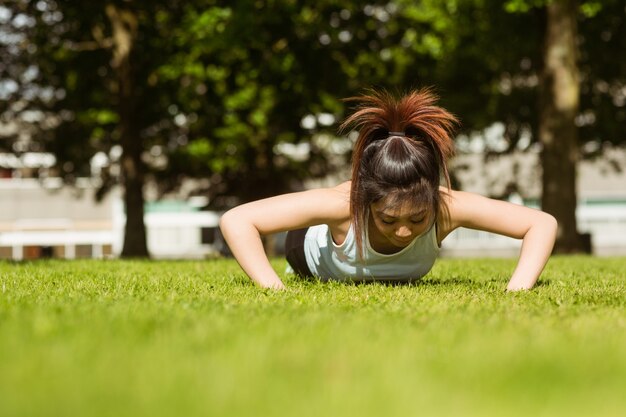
(329, 205)
(447, 212)
(296, 210)
(467, 209)
(339, 206)
(334, 200)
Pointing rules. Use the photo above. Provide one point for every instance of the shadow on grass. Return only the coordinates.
(430, 282)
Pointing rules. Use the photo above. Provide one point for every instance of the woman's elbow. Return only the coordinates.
(227, 221)
(549, 224)
(235, 222)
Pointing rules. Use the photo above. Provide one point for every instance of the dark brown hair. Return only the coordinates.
(400, 154)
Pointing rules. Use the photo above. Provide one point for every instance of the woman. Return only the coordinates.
(388, 222)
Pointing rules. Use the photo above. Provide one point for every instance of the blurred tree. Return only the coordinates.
(521, 59)
(256, 75)
(210, 89)
(558, 133)
(581, 83)
(245, 94)
(23, 100)
(98, 59)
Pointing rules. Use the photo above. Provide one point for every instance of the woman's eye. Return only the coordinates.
(387, 221)
(418, 221)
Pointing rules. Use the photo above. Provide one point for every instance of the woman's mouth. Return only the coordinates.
(403, 241)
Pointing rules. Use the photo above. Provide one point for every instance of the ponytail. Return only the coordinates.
(401, 151)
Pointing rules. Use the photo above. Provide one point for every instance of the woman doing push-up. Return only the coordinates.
(387, 223)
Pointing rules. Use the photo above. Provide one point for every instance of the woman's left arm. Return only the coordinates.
(536, 228)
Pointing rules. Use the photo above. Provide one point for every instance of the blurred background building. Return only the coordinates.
(43, 218)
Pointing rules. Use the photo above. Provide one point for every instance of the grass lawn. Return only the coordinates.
(139, 338)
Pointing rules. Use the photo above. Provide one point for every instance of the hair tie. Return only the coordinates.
(396, 134)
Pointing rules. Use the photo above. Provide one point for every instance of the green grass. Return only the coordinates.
(138, 338)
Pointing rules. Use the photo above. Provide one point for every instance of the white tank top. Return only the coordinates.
(330, 261)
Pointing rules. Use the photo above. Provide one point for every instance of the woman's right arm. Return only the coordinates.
(243, 226)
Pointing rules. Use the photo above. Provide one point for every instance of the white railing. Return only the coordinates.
(169, 235)
(17, 240)
(607, 226)
(179, 235)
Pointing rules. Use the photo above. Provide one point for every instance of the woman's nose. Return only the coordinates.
(403, 231)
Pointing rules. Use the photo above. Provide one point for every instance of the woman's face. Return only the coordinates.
(400, 225)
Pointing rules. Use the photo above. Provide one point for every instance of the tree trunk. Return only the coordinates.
(557, 129)
(124, 26)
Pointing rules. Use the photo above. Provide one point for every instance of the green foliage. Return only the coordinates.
(251, 75)
(197, 338)
(99, 117)
(238, 77)
(523, 6)
(590, 8)
(587, 8)
(601, 34)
